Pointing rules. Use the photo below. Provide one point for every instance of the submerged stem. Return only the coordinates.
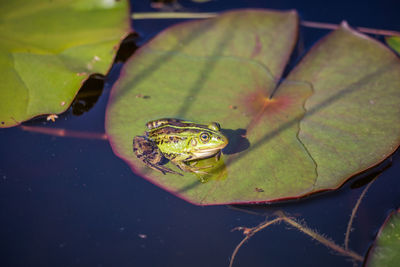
(320, 238)
(353, 214)
(331, 26)
(64, 132)
(249, 232)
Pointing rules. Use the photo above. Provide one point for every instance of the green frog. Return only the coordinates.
(181, 142)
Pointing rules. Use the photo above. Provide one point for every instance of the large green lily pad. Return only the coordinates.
(386, 250)
(48, 48)
(335, 115)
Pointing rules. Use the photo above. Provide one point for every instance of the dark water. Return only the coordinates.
(72, 202)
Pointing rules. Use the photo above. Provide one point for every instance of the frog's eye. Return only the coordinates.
(204, 137)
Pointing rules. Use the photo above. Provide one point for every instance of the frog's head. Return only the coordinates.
(207, 141)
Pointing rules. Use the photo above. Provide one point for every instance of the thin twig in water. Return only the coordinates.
(204, 15)
(173, 15)
(353, 214)
(249, 232)
(331, 26)
(245, 211)
(64, 132)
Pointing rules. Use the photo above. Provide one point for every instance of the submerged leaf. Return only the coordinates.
(49, 48)
(335, 115)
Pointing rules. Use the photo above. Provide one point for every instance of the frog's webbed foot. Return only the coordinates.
(148, 152)
(190, 167)
(161, 168)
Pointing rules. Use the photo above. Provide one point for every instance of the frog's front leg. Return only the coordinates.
(190, 167)
(150, 154)
(218, 155)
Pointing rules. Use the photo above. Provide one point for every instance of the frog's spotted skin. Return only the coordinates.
(179, 141)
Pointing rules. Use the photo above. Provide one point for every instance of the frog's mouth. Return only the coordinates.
(206, 152)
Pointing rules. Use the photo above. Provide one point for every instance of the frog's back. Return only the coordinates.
(170, 134)
(170, 122)
(161, 122)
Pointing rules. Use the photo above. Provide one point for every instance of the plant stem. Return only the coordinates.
(353, 214)
(204, 15)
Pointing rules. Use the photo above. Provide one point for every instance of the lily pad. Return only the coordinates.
(386, 250)
(394, 43)
(49, 48)
(335, 115)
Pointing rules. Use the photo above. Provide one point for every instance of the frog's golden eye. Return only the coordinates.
(204, 137)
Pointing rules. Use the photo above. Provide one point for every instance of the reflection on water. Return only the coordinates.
(88, 94)
(127, 47)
